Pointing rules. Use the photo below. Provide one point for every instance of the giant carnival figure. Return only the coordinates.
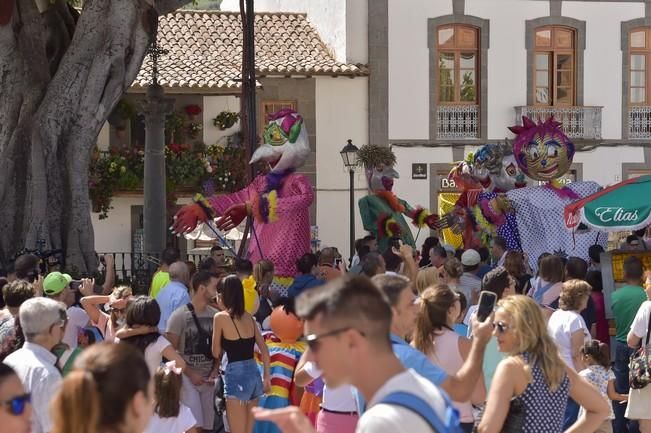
(381, 210)
(278, 201)
(529, 218)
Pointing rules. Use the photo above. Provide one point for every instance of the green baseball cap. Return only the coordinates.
(55, 282)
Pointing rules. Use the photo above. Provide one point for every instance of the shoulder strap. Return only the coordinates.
(195, 318)
(424, 410)
(648, 331)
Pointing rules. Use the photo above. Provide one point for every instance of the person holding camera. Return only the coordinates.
(189, 329)
(59, 287)
(329, 263)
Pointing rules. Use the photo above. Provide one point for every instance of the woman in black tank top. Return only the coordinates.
(236, 333)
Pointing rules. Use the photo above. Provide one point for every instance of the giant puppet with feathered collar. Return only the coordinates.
(278, 201)
(381, 210)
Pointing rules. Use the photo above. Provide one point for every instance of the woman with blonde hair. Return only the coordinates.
(434, 336)
(534, 376)
(426, 278)
(108, 391)
(108, 324)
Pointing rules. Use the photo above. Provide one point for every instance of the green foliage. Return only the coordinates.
(187, 167)
(203, 4)
(226, 119)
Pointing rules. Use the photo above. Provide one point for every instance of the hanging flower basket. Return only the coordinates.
(226, 119)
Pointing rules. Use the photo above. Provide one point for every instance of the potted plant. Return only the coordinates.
(226, 119)
(192, 111)
(121, 115)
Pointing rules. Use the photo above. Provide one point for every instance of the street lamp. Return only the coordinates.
(349, 156)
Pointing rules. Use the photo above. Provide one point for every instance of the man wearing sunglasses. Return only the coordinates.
(347, 325)
(43, 322)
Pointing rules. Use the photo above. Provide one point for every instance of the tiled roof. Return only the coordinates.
(205, 50)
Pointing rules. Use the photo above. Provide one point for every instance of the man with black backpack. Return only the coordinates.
(189, 329)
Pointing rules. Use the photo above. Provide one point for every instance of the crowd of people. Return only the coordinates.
(393, 341)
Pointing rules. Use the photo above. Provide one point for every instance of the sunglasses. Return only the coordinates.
(501, 327)
(313, 340)
(18, 404)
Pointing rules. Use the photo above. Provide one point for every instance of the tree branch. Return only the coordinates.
(166, 6)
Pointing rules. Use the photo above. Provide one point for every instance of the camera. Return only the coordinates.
(75, 284)
(395, 242)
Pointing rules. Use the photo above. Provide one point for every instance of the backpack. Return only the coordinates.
(420, 407)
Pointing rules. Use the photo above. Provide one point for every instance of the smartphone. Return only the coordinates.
(75, 284)
(487, 302)
(395, 243)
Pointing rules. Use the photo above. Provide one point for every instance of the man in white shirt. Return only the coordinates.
(470, 283)
(347, 324)
(43, 322)
(57, 286)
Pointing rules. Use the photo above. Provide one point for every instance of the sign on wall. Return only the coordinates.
(419, 171)
(445, 184)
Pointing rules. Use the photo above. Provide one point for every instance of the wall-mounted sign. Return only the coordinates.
(419, 171)
(446, 184)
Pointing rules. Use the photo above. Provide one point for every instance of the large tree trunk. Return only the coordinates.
(61, 74)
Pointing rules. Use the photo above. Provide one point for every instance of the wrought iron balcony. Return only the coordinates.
(577, 122)
(457, 122)
(639, 122)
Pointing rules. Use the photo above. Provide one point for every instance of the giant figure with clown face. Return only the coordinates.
(381, 210)
(279, 201)
(528, 218)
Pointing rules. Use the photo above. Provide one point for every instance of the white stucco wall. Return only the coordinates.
(103, 137)
(113, 234)
(603, 57)
(409, 66)
(507, 57)
(212, 106)
(507, 69)
(327, 16)
(604, 165)
(341, 114)
(357, 31)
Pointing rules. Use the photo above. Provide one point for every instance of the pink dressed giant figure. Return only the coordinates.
(278, 201)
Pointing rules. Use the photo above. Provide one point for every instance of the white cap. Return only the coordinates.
(470, 258)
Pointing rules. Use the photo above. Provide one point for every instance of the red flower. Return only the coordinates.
(192, 110)
(177, 148)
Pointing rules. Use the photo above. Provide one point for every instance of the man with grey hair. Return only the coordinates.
(174, 294)
(43, 322)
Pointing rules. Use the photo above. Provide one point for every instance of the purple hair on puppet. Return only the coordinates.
(542, 151)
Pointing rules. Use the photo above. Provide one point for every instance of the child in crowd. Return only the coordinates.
(170, 415)
(599, 374)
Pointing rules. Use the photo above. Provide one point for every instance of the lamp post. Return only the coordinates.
(155, 108)
(349, 156)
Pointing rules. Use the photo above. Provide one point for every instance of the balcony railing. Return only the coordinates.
(457, 121)
(577, 122)
(639, 122)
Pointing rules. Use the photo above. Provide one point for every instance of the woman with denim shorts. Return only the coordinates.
(236, 333)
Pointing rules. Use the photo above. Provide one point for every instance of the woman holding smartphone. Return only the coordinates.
(435, 337)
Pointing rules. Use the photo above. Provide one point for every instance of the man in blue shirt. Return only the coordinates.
(404, 305)
(174, 294)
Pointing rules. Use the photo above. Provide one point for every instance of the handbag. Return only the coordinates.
(204, 344)
(639, 374)
(514, 418)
